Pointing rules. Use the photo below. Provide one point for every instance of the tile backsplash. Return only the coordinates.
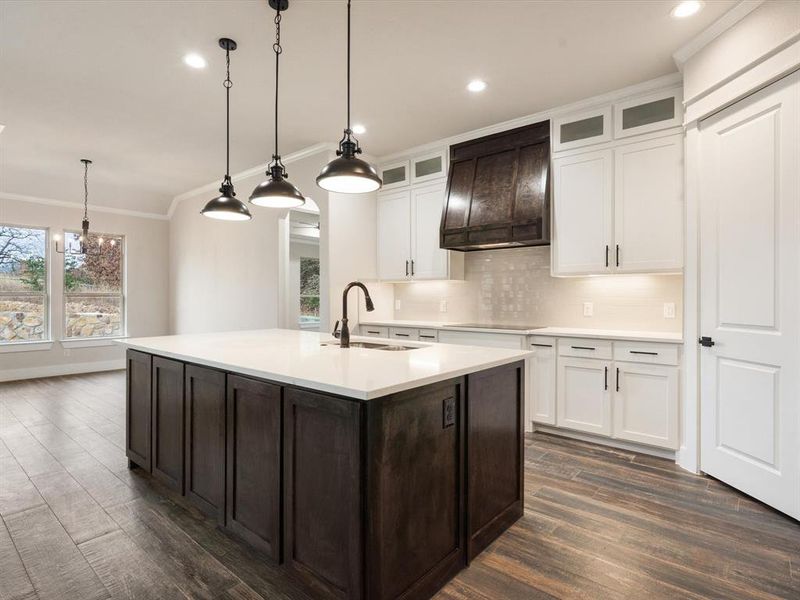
(514, 286)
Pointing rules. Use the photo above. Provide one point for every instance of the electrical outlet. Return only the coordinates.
(443, 306)
(397, 304)
(588, 309)
(669, 310)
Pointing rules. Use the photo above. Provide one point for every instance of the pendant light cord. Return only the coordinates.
(349, 131)
(85, 190)
(278, 50)
(227, 84)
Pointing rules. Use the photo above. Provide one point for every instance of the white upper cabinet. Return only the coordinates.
(648, 205)
(645, 114)
(394, 235)
(429, 167)
(408, 236)
(583, 213)
(583, 129)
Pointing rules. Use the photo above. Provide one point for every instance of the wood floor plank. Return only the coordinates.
(105, 487)
(56, 567)
(17, 493)
(14, 581)
(127, 571)
(81, 516)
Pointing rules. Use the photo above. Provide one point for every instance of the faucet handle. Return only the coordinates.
(336, 333)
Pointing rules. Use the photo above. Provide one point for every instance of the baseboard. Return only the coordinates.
(603, 441)
(57, 370)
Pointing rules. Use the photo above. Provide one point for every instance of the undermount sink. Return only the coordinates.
(372, 346)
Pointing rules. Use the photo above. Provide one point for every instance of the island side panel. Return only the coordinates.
(322, 492)
(205, 439)
(416, 480)
(168, 422)
(495, 446)
(139, 409)
(253, 507)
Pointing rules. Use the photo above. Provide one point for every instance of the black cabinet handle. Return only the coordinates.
(643, 352)
(412, 267)
(401, 335)
(617, 254)
(605, 384)
(606, 255)
(582, 348)
(542, 345)
(375, 332)
(617, 378)
(406, 268)
(428, 337)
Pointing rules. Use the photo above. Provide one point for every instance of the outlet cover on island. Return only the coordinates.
(443, 306)
(669, 310)
(588, 309)
(397, 304)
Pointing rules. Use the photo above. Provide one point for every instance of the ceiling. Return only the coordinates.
(105, 80)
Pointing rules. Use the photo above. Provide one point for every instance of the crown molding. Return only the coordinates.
(651, 85)
(212, 187)
(75, 205)
(713, 31)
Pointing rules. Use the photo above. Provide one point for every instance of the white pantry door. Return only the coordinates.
(749, 303)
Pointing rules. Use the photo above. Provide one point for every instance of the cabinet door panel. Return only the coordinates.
(430, 261)
(394, 235)
(168, 422)
(646, 404)
(542, 380)
(205, 439)
(584, 400)
(254, 457)
(583, 218)
(648, 205)
(139, 409)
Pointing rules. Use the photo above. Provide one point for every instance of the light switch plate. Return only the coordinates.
(669, 310)
(443, 306)
(588, 309)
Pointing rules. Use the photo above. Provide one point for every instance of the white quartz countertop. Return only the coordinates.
(297, 358)
(581, 332)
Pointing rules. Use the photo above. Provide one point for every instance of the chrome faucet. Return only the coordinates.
(344, 334)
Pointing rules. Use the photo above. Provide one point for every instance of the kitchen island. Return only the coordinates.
(368, 472)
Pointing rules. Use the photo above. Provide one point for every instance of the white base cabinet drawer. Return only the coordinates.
(428, 335)
(583, 396)
(641, 352)
(646, 404)
(404, 333)
(585, 348)
(373, 331)
(491, 340)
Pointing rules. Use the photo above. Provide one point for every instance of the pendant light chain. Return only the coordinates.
(278, 50)
(227, 84)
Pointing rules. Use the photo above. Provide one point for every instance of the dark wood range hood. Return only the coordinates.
(498, 191)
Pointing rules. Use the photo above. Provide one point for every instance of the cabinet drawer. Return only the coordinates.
(428, 335)
(374, 331)
(641, 352)
(404, 333)
(585, 348)
(541, 344)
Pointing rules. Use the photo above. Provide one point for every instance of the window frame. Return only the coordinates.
(47, 339)
(77, 342)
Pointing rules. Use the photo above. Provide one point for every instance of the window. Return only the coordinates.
(23, 284)
(94, 284)
(309, 292)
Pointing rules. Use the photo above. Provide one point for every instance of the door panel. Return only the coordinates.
(542, 380)
(584, 402)
(168, 422)
(430, 261)
(749, 195)
(394, 238)
(139, 404)
(646, 404)
(583, 205)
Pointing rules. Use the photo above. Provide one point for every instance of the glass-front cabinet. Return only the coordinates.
(583, 129)
(395, 175)
(645, 114)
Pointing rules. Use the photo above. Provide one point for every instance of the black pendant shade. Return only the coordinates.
(226, 206)
(277, 191)
(348, 174)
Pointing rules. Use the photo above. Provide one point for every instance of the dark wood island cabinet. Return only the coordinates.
(386, 498)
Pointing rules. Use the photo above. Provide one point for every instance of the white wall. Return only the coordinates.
(146, 276)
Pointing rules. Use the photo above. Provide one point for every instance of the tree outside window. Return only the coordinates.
(23, 284)
(94, 283)
(309, 291)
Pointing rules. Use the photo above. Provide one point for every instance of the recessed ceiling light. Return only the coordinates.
(359, 129)
(476, 85)
(195, 61)
(687, 8)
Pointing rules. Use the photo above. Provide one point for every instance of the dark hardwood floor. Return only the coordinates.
(599, 523)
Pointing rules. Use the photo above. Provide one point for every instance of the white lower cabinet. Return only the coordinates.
(646, 404)
(583, 396)
(542, 380)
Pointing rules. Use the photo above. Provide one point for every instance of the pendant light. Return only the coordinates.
(226, 206)
(348, 174)
(83, 239)
(277, 191)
